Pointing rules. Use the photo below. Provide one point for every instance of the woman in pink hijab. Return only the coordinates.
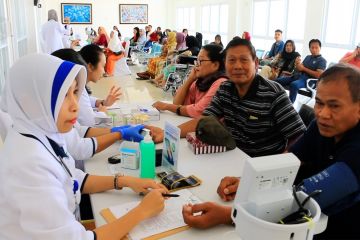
(180, 41)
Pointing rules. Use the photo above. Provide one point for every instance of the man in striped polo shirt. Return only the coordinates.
(257, 112)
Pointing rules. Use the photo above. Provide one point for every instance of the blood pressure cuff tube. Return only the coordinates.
(335, 182)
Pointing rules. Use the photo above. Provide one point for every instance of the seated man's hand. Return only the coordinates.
(300, 67)
(228, 187)
(209, 214)
(156, 133)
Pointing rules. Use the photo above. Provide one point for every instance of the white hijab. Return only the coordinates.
(35, 90)
(52, 15)
(114, 44)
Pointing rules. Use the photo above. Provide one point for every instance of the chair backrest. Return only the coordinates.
(311, 84)
(260, 53)
(156, 48)
(307, 114)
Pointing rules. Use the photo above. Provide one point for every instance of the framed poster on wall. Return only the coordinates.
(133, 13)
(76, 13)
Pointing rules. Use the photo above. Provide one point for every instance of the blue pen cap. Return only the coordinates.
(75, 186)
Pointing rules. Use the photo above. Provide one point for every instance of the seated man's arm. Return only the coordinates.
(312, 73)
(211, 214)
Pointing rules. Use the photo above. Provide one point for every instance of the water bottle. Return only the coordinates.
(147, 163)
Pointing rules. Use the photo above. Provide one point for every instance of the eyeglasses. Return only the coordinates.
(198, 62)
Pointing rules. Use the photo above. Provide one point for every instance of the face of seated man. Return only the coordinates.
(335, 109)
(278, 36)
(315, 48)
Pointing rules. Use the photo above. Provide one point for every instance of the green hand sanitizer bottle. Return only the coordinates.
(147, 163)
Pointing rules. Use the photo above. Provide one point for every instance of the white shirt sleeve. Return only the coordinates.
(86, 113)
(93, 101)
(78, 147)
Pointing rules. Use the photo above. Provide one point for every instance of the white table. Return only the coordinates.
(210, 168)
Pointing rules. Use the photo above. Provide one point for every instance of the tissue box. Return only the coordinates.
(152, 112)
(199, 147)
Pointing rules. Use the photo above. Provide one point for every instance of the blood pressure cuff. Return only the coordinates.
(339, 188)
(210, 131)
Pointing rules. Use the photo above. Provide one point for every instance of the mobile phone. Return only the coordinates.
(158, 157)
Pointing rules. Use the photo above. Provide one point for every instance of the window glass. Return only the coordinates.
(357, 29)
(224, 14)
(214, 18)
(179, 18)
(339, 32)
(277, 16)
(3, 33)
(296, 19)
(260, 18)
(205, 19)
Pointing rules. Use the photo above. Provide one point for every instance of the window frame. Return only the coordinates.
(223, 34)
(353, 31)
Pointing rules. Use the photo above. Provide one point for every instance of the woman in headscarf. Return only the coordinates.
(283, 63)
(198, 90)
(116, 29)
(40, 188)
(52, 33)
(180, 41)
(114, 52)
(168, 49)
(192, 47)
(102, 39)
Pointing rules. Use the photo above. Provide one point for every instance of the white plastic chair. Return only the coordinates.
(121, 68)
(306, 95)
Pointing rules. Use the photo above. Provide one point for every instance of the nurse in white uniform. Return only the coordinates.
(39, 185)
(52, 33)
(95, 60)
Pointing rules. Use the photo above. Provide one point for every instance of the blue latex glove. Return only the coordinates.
(118, 128)
(132, 133)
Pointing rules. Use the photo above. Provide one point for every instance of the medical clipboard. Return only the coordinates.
(109, 217)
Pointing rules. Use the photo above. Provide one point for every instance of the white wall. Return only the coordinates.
(106, 13)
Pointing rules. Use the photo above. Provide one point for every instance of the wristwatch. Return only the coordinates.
(116, 183)
(178, 110)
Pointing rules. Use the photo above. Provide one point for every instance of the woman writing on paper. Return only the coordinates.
(40, 189)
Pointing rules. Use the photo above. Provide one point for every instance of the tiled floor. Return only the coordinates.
(133, 90)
